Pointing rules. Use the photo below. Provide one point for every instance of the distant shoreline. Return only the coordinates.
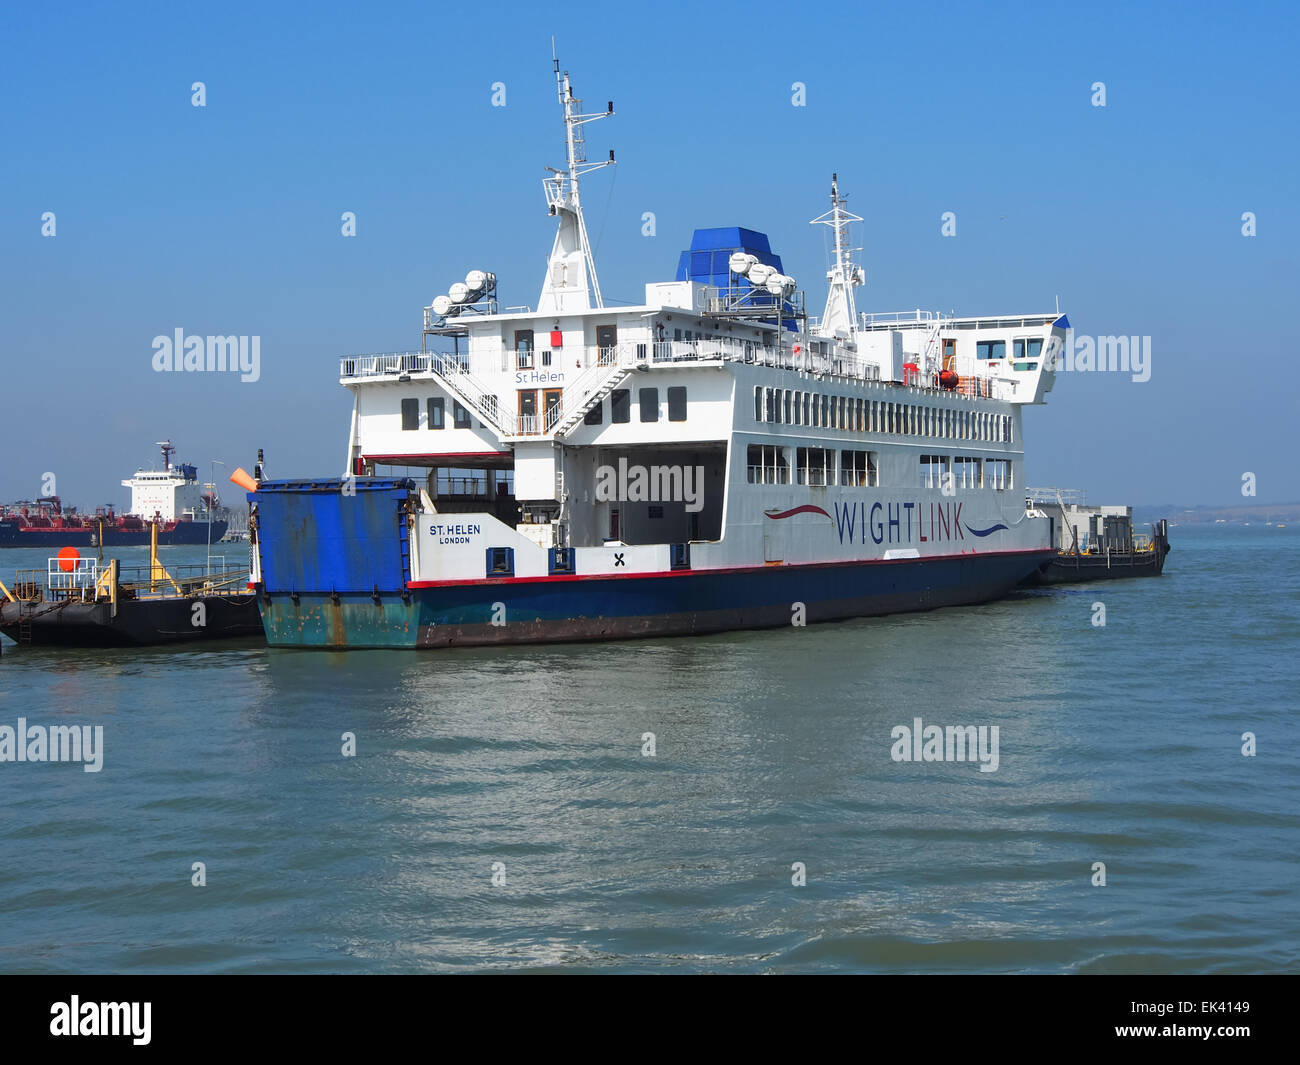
(1254, 513)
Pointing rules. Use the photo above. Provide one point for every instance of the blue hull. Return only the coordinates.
(690, 603)
(335, 573)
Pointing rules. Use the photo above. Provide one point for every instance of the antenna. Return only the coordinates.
(563, 290)
(841, 309)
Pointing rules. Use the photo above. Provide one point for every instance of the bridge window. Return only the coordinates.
(435, 413)
(410, 414)
(1028, 347)
(620, 406)
(677, 404)
(649, 401)
(990, 349)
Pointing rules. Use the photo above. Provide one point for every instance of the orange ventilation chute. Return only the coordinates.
(242, 478)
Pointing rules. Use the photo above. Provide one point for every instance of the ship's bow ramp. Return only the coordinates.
(334, 560)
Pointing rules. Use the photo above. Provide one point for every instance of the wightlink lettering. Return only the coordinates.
(899, 523)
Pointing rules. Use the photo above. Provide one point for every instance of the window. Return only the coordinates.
(649, 400)
(410, 414)
(595, 416)
(546, 357)
(523, 349)
(998, 472)
(769, 404)
(858, 469)
(990, 349)
(814, 466)
(766, 465)
(933, 468)
(785, 406)
(460, 416)
(435, 413)
(758, 404)
(677, 404)
(620, 406)
(966, 471)
(1027, 348)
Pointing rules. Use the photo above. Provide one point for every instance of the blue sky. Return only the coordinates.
(225, 219)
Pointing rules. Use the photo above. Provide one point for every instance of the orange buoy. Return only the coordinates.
(68, 558)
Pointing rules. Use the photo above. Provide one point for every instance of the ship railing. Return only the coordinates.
(199, 579)
(73, 578)
(605, 365)
(1068, 496)
(29, 585)
(452, 368)
(892, 319)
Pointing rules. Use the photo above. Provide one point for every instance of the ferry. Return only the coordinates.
(168, 506)
(714, 458)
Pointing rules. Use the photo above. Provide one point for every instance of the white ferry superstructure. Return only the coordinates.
(712, 459)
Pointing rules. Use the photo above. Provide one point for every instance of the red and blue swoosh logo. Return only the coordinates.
(807, 508)
(984, 532)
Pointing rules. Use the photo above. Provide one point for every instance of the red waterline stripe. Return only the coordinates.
(558, 577)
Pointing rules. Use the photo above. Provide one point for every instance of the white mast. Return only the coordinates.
(570, 284)
(841, 317)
